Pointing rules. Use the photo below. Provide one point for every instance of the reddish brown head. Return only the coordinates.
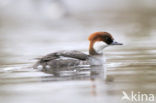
(100, 36)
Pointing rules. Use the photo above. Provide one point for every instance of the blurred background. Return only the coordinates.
(33, 28)
(39, 26)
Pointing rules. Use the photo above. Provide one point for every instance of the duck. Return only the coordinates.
(74, 58)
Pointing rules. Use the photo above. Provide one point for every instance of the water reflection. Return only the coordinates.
(77, 73)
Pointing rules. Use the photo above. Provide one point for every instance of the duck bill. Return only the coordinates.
(116, 43)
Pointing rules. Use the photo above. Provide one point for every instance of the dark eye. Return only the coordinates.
(109, 40)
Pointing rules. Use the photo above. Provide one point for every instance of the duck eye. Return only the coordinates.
(108, 40)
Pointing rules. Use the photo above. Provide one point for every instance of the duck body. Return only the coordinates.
(76, 58)
(62, 59)
(66, 58)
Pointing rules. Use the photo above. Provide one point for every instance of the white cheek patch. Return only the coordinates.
(99, 46)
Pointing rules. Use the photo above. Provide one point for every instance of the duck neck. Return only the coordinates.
(91, 49)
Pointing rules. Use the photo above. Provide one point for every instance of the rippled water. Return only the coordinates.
(130, 67)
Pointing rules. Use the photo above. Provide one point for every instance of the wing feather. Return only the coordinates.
(71, 54)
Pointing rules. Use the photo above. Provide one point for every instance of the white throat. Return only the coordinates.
(99, 46)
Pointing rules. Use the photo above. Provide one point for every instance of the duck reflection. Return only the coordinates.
(91, 73)
(78, 73)
(97, 73)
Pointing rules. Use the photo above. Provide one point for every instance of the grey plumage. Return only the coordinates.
(63, 59)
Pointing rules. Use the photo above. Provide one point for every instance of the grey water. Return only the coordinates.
(131, 67)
